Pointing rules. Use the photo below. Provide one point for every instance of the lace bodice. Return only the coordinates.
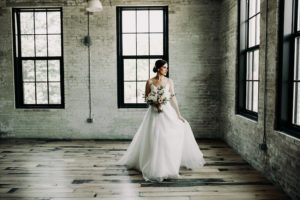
(166, 87)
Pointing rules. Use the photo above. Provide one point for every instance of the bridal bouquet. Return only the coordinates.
(160, 96)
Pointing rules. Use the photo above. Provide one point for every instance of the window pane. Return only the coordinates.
(29, 93)
(296, 104)
(142, 21)
(252, 73)
(252, 7)
(249, 65)
(40, 23)
(296, 59)
(17, 46)
(129, 92)
(257, 39)
(156, 21)
(298, 16)
(54, 70)
(152, 64)
(41, 45)
(54, 45)
(41, 93)
(27, 45)
(141, 92)
(257, 6)
(54, 93)
(142, 69)
(142, 44)
(16, 24)
(251, 32)
(41, 70)
(256, 65)
(156, 44)
(54, 22)
(26, 19)
(128, 21)
(255, 96)
(129, 69)
(129, 44)
(249, 95)
(28, 70)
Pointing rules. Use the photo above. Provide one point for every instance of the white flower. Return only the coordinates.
(166, 95)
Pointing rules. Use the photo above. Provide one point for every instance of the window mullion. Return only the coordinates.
(247, 79)
(295, 84)
(47, 56)
(35, 56)
(248, 83)
(19, 62)
(149, 41)
(136, 90)
(253, 16)
(252, 82)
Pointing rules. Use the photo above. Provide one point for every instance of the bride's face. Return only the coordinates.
(163, 70)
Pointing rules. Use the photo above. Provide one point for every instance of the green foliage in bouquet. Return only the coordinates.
(160, 96)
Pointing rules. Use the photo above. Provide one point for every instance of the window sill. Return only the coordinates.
(38, 109)
(247, 118)
(288, 131)
(292, 138)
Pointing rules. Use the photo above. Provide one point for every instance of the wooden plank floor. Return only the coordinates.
(85, 169)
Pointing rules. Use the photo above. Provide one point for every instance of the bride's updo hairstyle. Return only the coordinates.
(158, 64)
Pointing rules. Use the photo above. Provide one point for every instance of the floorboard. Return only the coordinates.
(37, 169)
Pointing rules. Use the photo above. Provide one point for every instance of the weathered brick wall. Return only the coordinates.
(280, 163)
(194, 65)
(203, 63)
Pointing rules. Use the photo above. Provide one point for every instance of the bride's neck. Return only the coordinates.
(159, 77)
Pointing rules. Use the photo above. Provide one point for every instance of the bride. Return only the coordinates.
(164, 141)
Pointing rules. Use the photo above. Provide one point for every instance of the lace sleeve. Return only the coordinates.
(173, 99)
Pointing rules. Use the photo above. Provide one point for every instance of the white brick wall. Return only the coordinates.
(194, 65)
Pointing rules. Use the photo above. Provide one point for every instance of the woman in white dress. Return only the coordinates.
(164, 141)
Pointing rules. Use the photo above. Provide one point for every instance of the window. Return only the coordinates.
(289, 79)
(142, 38)
(38, 57)
(248, 67)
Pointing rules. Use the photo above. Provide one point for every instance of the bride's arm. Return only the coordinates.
(148, 90)
(173, 100)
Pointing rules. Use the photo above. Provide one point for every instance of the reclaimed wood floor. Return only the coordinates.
(85, 170)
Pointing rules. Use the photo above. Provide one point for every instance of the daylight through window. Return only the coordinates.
(142, 39)
(38, 57)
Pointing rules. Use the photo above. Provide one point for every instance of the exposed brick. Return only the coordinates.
(280, 163)
(193, 62)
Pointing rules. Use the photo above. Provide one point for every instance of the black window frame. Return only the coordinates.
(242, 50)
(120, 57)
(287, 34)
(19, 98)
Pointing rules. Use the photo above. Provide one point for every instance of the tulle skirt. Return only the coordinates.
(161, 145)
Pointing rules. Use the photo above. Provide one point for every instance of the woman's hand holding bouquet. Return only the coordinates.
(158, 97)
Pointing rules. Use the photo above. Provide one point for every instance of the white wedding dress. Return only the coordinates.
(162, 144)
